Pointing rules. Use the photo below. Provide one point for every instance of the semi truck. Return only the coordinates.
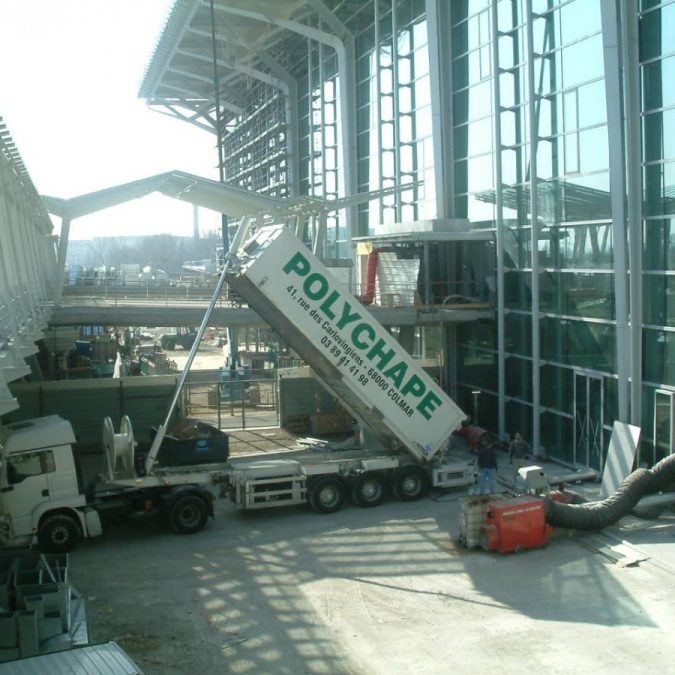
(404, 422)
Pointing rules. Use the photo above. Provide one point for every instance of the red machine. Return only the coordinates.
(474, 435)
(515, 525)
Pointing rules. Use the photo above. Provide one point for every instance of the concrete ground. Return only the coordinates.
(367, 591)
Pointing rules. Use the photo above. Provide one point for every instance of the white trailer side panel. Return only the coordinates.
(354, 356)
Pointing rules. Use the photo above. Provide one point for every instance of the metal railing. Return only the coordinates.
(236, 404)
(107, 290)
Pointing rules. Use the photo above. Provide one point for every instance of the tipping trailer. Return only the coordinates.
(355, 358)
(404, 418)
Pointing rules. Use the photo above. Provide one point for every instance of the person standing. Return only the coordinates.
(487, 467)
(519, 453)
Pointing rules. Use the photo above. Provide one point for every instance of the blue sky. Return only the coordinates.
(69, 80)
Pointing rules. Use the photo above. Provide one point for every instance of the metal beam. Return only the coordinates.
(617, 180)
(499, 229)
(188, 74)
(440, 73)
(344, 49)
(199, 95)
(183, 118)
(629, 24)
(61, 259)
(285, 82)
(189, 15)
(330, 19)
(294, 26)
(533, 124)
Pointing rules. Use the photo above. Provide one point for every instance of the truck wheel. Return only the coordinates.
(59, 533)
(327, 495)
(410, 483)
(369, 489)
(188, 515)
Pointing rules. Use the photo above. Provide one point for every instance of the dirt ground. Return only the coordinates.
(368, 591)
(209, 356)
(375, 591)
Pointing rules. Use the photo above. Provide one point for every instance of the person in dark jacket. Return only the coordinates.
(519, 453)
(487, 467)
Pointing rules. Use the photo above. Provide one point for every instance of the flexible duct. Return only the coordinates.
(597, 515)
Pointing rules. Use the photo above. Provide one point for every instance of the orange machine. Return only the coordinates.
(515, 525)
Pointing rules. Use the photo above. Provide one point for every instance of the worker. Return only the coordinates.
(519, 453)
(487, 465)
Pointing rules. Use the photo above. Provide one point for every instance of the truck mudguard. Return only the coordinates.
(357, 360)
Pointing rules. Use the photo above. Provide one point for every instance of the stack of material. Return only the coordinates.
(40, 611)
(325, 424)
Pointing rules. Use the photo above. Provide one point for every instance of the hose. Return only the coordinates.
(597, 515)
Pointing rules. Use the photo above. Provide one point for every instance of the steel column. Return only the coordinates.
(617, 180)
(440, 75)
(631, 67)
(534, 222)
(499, 226)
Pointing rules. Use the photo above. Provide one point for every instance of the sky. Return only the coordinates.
(70, 71)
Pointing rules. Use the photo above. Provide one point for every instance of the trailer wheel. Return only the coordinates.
(369, 489)
(188, 515)
(327, 495)
(410, 483)
(58, 533)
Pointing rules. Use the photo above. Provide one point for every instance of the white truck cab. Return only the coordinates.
(37, 476)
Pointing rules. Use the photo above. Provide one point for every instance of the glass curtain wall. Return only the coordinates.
(393, 116)
(320, 136)
(254, 145)
(657, 70)
(541, 127)
(530, 161)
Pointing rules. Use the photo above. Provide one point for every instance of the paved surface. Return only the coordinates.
(369, 591)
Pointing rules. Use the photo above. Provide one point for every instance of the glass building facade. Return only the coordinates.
(550, 125)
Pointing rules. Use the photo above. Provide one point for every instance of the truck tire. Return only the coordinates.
(59, 533)
(410, 483)
(170, 345)
(188, 514)
(327, 495)
(369, 489)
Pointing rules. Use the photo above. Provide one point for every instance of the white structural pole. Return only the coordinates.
(534, 221)
(61, 259)
(342, 41)
(378, 105)
(499, 226)
(617, 182)
(440, 72)
(631, 69)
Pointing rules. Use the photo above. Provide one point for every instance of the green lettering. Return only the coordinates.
(428, 404)
(346, 317)
(384, 357)
(298, 264)
(397, 373)
(313, 291)
(414, 386)
(356, 335)
(326, 305)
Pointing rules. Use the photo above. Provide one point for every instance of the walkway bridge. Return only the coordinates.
(33, 289)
